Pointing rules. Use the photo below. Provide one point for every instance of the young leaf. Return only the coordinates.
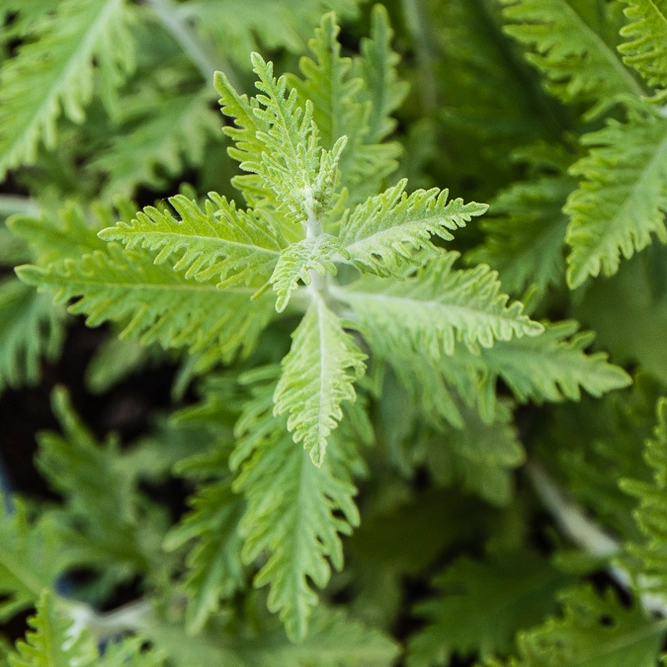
(318, 375)
(221, 241)
(295, 512)
(55, 70)
(381, 234)
(300, 260)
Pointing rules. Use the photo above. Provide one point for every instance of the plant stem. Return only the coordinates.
(586, 534)
(129, 617)
(416, 25)
(199, 52)
(12, 204)
(318, 284)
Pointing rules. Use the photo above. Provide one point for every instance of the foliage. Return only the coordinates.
(371, 388)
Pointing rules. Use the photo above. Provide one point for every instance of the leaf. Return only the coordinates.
(575, 59)
(481, 605)
(377, 68)
(221, 241)
(30, 557)
(645, 47)
(100, 520)
(51, 643)
(436, 306)
(526, 234)
(148, 149)
(32, 329)
(318, 375)
(56, 71)
(593, 631)
(300, 260)
(334, 641)
(215, 571)
(622, 198)
(295, 512)
(381, 234)
(291, 167)
(648, 558)
(156, 304)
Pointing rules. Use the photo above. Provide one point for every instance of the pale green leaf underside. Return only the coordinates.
(318, 375)
(382, 234)
(56, 72)
(300, 259)
(431, 310)
(218, 241)
(160, 305)
(621, 200)
(645, 47)
(296, 511)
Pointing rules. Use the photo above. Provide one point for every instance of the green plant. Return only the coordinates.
(377, 385)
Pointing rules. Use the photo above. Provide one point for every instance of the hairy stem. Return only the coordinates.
(199, 51)
(127, 618)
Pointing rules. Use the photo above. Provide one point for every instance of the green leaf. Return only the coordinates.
(156, 304)
(296, 509)
(436, 306)
(381, 234)
(318, 375)
(215, 571)
(51, 642)
(300, 260)
(56, 71)
(377, 68)
(221, 241)
(333, 641)
(291, 168)
(526, 234)
(482, 605)
(30, 557)
(648, 558)
(645, 47)
(622, 198)
(568, 48)
(100, 521)
(150, 146)
(593, 631)
(32, 329)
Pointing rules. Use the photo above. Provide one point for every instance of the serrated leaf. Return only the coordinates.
(565, 46)
(622, 198)
(382, 234)
(296, 510)
(55, 71)
(645, 47)
(300, 260)
(318, 375)
(438, 305)
(156, 304)
(215, 571)
(220, 241)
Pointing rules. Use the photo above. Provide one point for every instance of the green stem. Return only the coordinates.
(199, 52)
(416, 24)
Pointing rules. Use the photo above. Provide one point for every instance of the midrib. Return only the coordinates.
(84, 49)
(609, 55)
